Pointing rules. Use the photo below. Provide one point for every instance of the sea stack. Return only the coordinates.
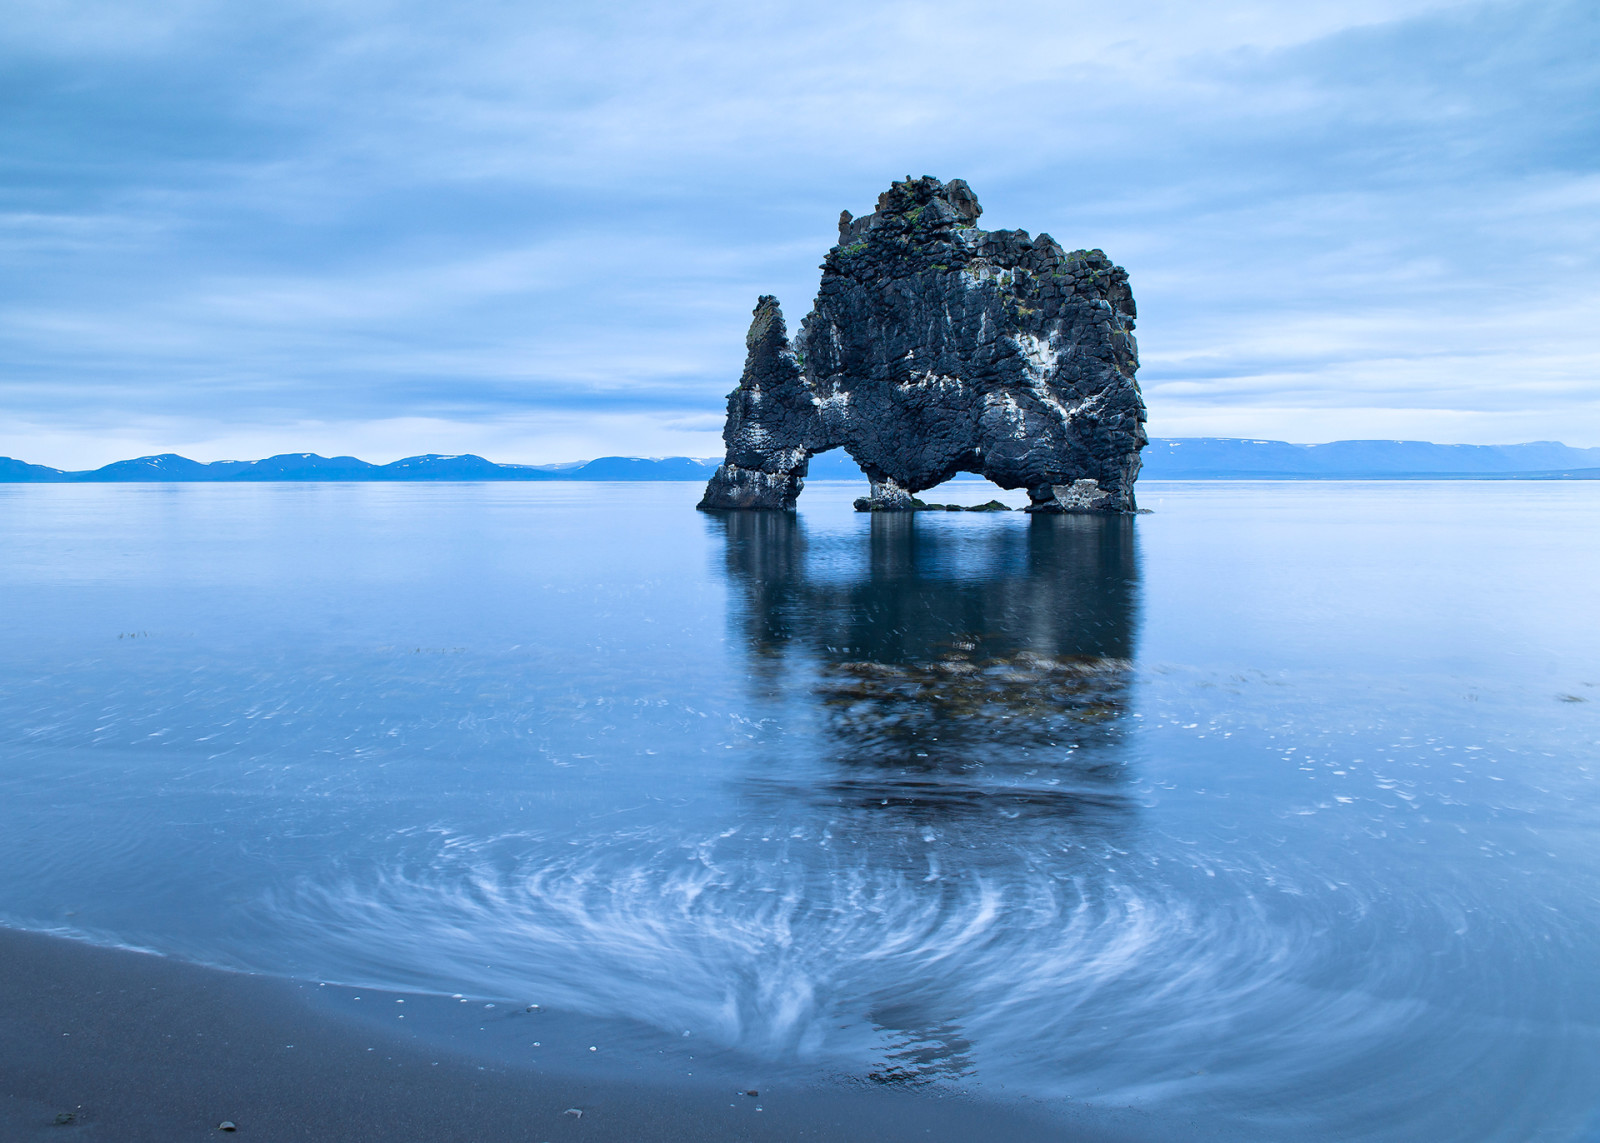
(935, 347)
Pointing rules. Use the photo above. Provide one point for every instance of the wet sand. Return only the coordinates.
(142, 1048)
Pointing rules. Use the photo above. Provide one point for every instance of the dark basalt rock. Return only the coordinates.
(773, 425)
(864, 504)
(935, 348)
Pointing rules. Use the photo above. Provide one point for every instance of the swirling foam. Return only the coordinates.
(1078, 966)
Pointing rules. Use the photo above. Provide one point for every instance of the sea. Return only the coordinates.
(1274, 808)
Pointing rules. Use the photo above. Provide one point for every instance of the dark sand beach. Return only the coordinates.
(137, 1048)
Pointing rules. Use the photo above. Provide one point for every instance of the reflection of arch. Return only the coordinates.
(951, 668)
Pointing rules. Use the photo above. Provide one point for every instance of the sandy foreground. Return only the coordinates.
(138, 1048)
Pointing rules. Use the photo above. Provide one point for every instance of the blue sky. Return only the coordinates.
(536, 231)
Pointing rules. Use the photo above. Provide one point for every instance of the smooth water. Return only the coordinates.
(1276, 808)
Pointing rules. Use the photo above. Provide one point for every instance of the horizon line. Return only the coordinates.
(570, 464)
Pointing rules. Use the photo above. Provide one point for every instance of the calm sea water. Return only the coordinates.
(1276, 807)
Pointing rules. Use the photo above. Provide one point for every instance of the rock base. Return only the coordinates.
(733, 487)
(1079, 496)
(865, 504)
(886, 495)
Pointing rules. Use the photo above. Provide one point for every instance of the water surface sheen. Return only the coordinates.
(1274, 809)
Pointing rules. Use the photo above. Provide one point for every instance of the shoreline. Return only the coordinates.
(138, 1047)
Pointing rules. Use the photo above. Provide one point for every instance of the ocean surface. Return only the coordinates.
(1275, 809)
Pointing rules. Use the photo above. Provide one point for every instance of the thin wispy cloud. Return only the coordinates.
(537, 231)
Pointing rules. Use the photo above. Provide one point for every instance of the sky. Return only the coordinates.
(536, 231)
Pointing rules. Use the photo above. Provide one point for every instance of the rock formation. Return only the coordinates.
(934, 348)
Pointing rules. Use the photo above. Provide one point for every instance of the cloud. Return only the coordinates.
(225, 223)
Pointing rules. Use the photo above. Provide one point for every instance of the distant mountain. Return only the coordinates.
(436, 467)
(21, 472)
(1186, 458)
(304, 466)
(1226, 457)
(639, 468)
(169, 467)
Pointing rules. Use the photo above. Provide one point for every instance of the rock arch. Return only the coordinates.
(934, 348)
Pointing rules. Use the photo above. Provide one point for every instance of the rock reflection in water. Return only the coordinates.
(915, 1054)
(954, 669)
(958, 692)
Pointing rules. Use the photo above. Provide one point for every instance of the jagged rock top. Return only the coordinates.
(924, 202)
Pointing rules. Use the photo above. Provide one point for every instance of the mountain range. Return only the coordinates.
(1186, 458)
(1229, 458)
(170, 467)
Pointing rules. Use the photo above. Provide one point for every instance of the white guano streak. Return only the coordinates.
(1040, 358)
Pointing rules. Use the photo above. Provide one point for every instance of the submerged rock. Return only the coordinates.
(934, 348)
(864, 504)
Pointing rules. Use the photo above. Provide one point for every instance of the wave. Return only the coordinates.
(1112, 966)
